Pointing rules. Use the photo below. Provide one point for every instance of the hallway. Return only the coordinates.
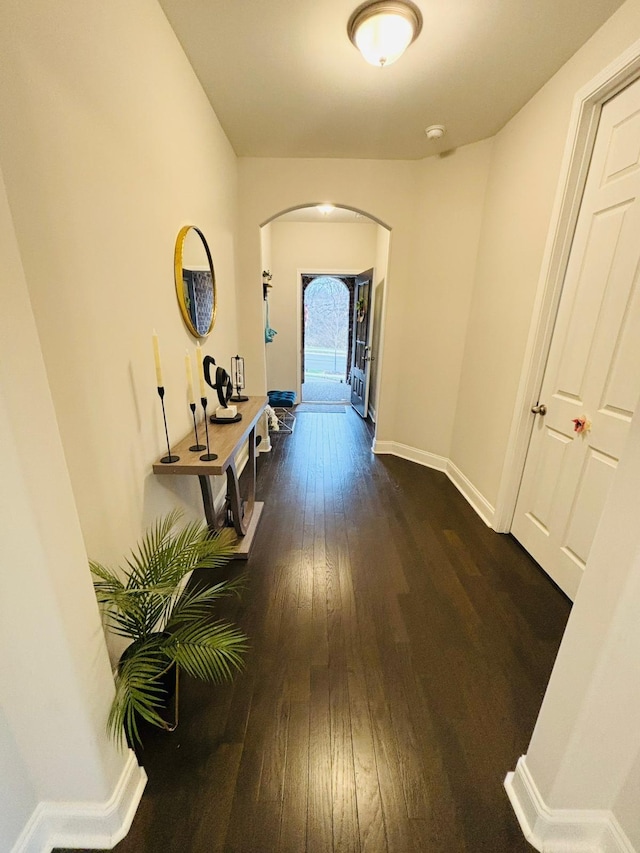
(400, 652)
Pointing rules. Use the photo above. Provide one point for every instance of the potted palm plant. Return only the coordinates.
(168, 625)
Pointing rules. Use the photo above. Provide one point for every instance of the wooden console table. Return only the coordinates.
(226, 440)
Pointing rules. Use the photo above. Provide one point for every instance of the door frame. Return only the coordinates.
(315, 271)
(349, 282)
(585, 117)
(369, 345)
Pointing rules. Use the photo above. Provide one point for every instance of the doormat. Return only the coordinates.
(320, 408)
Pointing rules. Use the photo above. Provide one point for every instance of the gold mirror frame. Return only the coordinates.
(179, 281)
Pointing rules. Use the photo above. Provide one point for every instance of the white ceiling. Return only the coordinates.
(285, 81)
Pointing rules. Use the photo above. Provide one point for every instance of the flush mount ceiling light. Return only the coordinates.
(382, 30)
(325, 209)
(436, 131)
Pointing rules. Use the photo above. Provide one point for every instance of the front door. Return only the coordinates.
(361, 359)
(592, 379)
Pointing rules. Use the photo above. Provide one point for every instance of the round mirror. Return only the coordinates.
(195, 281)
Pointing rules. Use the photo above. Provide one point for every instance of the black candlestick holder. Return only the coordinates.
(169, 457)
(208, 456)
(197, 446)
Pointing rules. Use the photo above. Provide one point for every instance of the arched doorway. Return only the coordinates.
(295, 244)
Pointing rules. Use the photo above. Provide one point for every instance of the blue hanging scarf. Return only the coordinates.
(269, 333)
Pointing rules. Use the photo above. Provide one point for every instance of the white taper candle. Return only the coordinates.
(156, 358)
(189, 372)
(203, 385)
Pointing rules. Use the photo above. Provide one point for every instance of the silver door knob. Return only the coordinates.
(540, 409)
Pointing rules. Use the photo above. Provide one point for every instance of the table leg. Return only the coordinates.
(207, 500)
(242, 512)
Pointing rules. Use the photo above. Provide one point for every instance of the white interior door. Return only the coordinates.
(593, 369)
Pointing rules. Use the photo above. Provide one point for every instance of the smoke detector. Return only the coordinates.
(435, 131)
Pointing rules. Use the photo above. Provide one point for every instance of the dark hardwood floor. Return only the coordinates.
(399, 654)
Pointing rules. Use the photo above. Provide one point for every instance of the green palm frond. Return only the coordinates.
(211, 651)
(122, 613)
(154, 572)
(143, 601)
(195, 604)
(164, 557)
(143, 560)
(139, 692)
(108, 579)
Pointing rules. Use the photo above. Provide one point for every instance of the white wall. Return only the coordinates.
(449, 204)
(19, 798)
(434, 211)
(109, 146)
(625, 806)
(307, 247)
(524, 174)
(55, 675)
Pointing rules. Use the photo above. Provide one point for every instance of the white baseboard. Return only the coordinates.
(466, 488)
(405, 451)
(562, 830)
(440, 463)
(91, 826)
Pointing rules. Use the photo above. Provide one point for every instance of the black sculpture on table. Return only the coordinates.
(223, 387)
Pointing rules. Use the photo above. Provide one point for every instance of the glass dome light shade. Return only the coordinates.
(382, 31)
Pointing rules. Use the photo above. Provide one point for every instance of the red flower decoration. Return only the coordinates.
(581, 424)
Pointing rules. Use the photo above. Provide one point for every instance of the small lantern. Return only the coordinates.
(237, 378)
